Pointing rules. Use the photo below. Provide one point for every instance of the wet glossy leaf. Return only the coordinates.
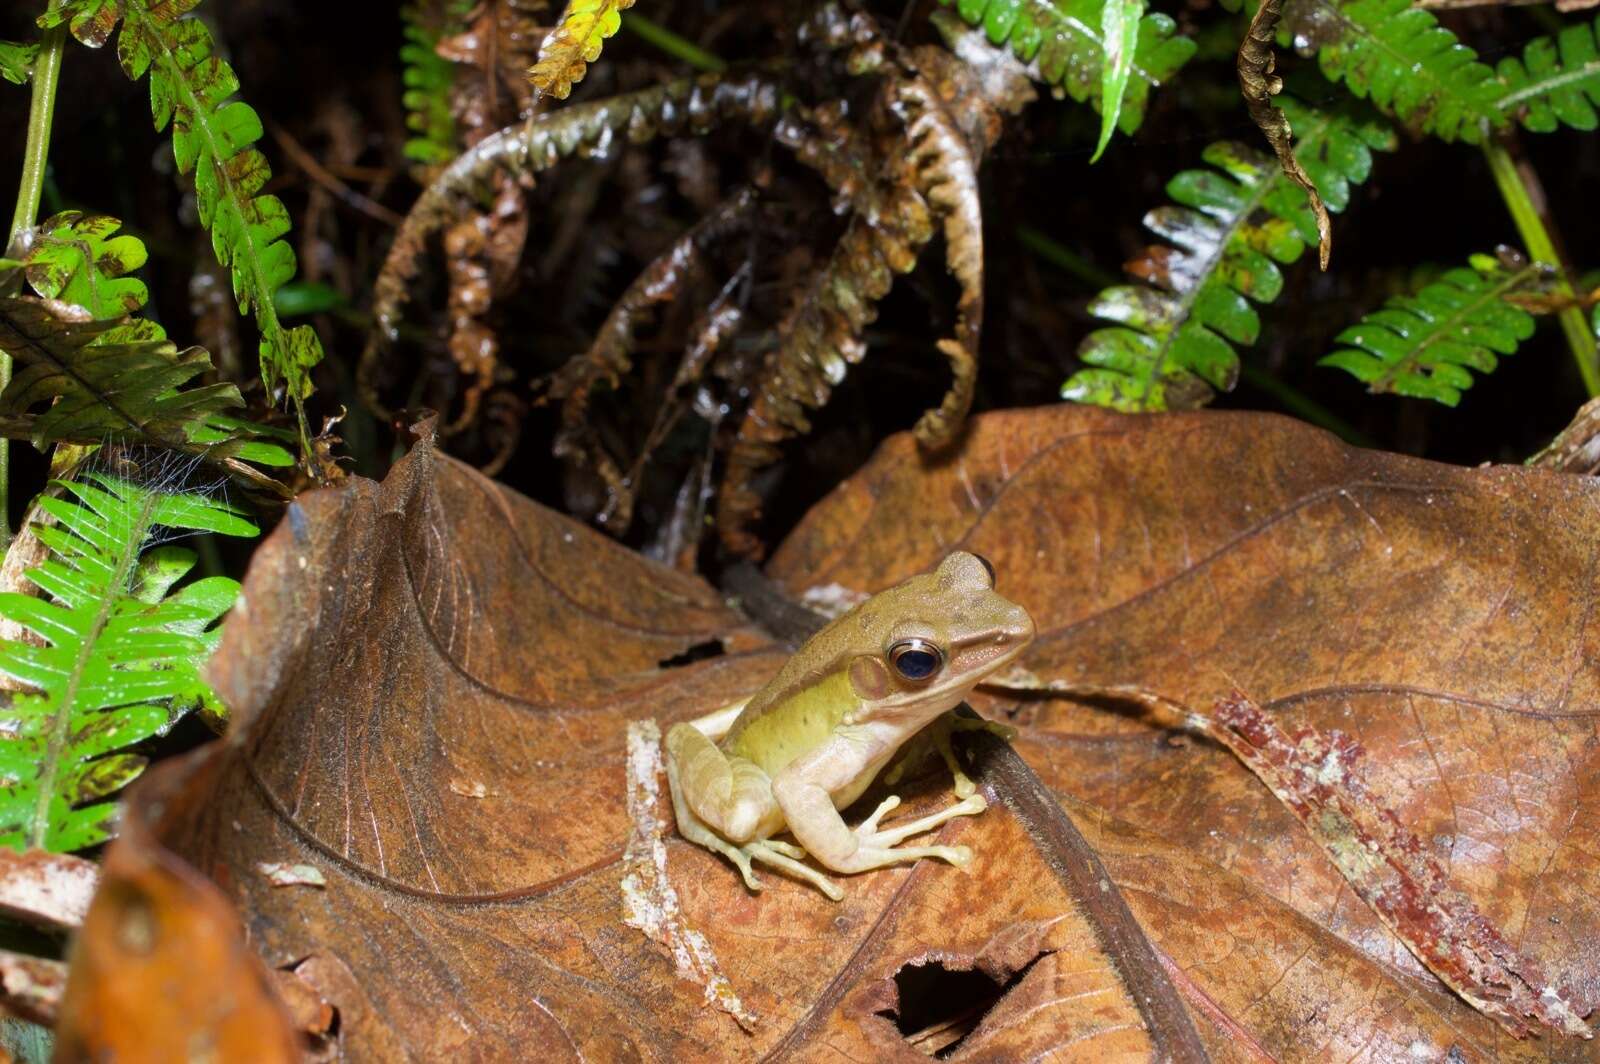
(79, 259)
(476, 788)
(566, 53)
(1065, 44)
(1400, 58)
(1235, 223)
(1423, 345)
(16, 61)
(1119, 32)
(114, 659)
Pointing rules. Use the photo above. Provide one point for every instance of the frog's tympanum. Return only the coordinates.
(812, 740)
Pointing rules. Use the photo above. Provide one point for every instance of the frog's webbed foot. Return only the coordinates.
(881, 846)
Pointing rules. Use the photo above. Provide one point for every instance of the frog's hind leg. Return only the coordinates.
(716, 798)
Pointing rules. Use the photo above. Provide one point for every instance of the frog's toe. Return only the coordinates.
(788, 849)
(885, 807)
(765, 851)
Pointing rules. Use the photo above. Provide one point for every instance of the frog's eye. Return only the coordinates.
(916, 659)
(986, 567)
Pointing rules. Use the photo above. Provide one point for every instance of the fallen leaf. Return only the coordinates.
(1436, 615)
(161, 969)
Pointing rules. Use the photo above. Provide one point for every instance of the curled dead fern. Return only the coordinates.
(1423, 345)
(899, 183)
(1173, 343)
(687, 106)
(609, 356)
(213, 136)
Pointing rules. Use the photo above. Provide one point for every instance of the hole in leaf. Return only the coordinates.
(939, 1006)
(711, 648)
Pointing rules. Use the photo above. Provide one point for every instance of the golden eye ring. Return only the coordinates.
(916, 660)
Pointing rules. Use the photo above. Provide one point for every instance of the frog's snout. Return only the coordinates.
(1018, 629)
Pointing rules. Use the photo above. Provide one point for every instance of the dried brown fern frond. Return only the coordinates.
(499, 44)
(898, 180)
(609, 357)
(684, 107)
(481, 256)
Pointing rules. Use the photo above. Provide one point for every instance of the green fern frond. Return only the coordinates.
(78, 258)
(1404, 61)
(1556, 82)
(16, 61)
(83, 381)
(428, 78)
(193, 89)
(1063, 43)
(1423, 345)
(121, 655)
(1173, 343)
(1419, 72)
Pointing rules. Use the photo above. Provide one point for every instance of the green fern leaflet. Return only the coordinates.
(1419, 72)
(16, 61)
(428, 78)
(1423, 345)
(1556, 82)
(192, 89)
(1173, 344)
(79, 258)
(121, 659)
(1063, 43)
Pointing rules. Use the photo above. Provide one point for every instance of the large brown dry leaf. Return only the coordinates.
(433, 683)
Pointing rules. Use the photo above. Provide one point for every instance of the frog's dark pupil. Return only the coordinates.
(916, 664)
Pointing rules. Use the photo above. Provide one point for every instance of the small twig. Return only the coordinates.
(319, 173)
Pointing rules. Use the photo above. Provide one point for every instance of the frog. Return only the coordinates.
(813, 739)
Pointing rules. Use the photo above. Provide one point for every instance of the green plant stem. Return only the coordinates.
(660, 37)
(1064, 258)
(1303, 406)
(1517, 188)
(35, 154)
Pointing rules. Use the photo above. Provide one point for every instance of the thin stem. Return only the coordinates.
(1063, 257)
(1519, 187)
(36, 152)
(1303, 406)
(657, 35)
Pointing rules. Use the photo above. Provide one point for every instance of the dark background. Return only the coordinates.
(319, 71)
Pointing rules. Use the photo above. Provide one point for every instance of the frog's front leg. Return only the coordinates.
(804, 792)
(935, 738)
(721, 803)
